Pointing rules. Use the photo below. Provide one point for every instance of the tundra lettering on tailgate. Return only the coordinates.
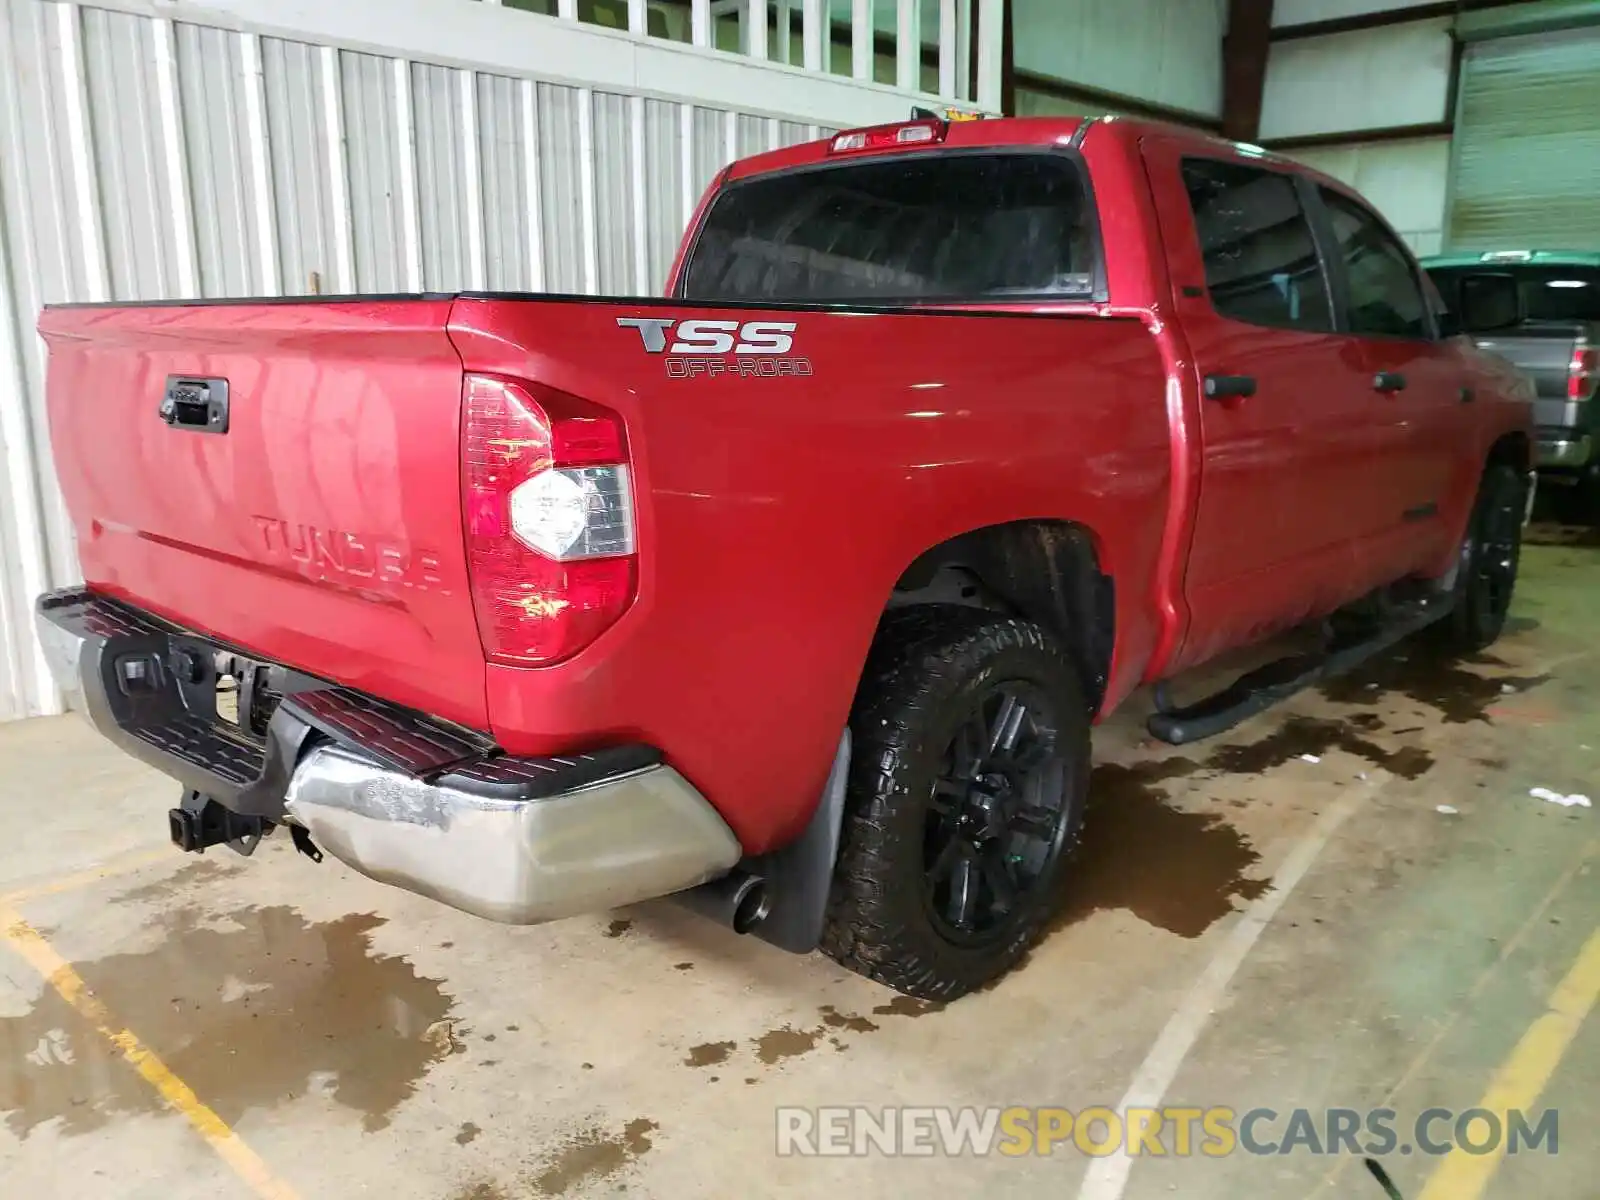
(321, 553)
(760, 349)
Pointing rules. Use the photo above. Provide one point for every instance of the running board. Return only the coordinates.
(1262, 688)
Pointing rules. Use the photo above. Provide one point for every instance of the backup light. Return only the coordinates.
(575, 512)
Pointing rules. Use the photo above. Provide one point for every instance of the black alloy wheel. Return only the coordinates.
(994, 827)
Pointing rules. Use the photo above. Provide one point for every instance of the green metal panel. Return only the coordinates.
(1526, 158)
(1509, 20)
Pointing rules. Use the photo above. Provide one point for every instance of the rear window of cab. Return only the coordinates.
(951, 226)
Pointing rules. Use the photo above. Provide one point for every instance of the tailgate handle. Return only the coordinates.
(197, 404)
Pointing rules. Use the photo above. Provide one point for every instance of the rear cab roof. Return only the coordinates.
(1003, 132)
(1134, 266)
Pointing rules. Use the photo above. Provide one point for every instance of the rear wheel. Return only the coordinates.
(1486, 577)
(970, 766)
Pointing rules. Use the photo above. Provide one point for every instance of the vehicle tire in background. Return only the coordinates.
(1490, 554)
(966, 795)
(1578, 503)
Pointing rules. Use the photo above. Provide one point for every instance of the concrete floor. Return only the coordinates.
(353, 1040)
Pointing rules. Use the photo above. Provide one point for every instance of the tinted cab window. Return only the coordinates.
(1260, 256)
(1386, 297)
(1549, 293)
(914, 228)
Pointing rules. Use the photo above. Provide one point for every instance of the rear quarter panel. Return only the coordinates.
(775, 514)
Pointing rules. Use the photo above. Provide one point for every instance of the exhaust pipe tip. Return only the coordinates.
(740, 900)
(751, 904)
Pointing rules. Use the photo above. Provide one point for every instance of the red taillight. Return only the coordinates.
(1583, 371)
(549, 520)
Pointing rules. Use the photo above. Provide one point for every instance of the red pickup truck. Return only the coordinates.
(797, 591)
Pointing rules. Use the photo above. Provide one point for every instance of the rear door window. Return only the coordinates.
(929, 227)
(1386, 297)
(1260, 254)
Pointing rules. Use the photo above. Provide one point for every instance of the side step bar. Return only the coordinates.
(1260, 689)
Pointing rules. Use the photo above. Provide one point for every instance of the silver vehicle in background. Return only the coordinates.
(1558, 345)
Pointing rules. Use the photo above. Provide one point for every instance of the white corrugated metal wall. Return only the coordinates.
(1163, 52)
(225, 154)
(1363, 80)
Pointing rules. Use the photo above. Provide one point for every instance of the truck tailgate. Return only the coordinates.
(1544, 352)
(322, 527)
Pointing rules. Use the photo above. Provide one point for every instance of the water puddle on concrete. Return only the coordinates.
(1181, 871)
(709, 1054)
(250, 1008)
(592, 1155)
(1454, 689)
(786, 1042)
(1300, 736)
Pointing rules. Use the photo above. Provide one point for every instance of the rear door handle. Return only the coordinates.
(1225, 387)
(1388, 381)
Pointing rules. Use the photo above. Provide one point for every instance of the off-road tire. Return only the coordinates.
(1487, 574)
(927, 666)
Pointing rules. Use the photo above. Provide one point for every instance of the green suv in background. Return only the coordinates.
(1558, 345)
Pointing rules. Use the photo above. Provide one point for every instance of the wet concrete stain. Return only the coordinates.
(1183, 871)
(618, 927)
(1540, 534)
(481, 1191)
(251, 1008)
(195, 874)
(709, 1054)
(786, 1042)
(1180, 871)
(593, 1155)
(835, 1019)
(1458, 693)
(1299, 736)
(467, 1134)
(908, 1006)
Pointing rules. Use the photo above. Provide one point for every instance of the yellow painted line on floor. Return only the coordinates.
(58, 973)
(88, 877)
(1534, 920)
(1522, 1077)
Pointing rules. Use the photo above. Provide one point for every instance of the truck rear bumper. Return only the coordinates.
(405, 799)
(1570, 450)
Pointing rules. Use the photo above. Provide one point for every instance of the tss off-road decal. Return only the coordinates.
(698, 348)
